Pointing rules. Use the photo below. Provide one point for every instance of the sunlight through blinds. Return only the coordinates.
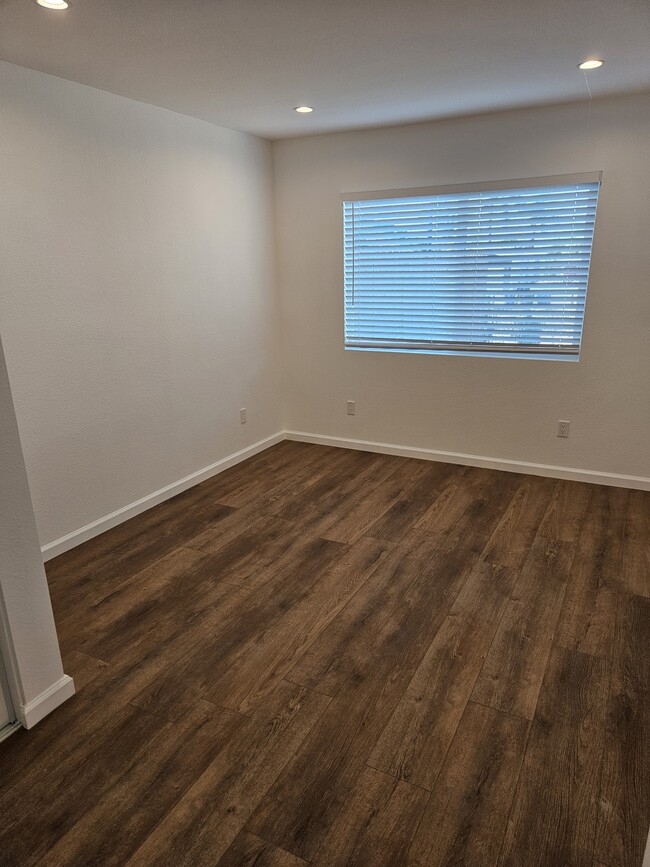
(489, 270)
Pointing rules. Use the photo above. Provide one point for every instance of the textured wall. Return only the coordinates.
(137, 299)
(499, 408)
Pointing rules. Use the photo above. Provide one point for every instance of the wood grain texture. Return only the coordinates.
(367, 679)
(407, 510)
(248, 850)
(465, 818)
(635, 572)
(555, 809)
(263, 661)
(208, 817)
(563, 519)
(376, 824)
(514, 534)
(588, 613)
(414, 743)
(334, 657)
(511, 677)
(625, 793)
(114, 826)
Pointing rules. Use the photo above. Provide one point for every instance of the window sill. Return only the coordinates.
(528, 356)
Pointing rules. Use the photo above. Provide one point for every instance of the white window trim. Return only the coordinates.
(477, 187)
(523, 352)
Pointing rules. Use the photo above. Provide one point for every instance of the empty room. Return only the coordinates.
(325, 433)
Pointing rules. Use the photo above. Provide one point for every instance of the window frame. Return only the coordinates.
(527, 351)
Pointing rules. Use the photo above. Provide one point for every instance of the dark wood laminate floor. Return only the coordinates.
(340, 658)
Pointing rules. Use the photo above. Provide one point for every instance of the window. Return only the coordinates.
(492, 268)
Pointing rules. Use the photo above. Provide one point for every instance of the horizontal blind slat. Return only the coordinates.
(501, 268)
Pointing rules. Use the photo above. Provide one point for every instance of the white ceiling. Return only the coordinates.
(245, 63)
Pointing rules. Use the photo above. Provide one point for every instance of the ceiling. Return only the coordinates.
(246, 63)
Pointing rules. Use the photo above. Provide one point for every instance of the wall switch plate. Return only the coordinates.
(242, 415)
(563, 429)
(352, 407)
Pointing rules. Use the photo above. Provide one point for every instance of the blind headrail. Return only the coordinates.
(477, 187)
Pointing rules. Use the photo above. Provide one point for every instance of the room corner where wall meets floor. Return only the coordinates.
(506, 408)
(141, 358)
(136, 331)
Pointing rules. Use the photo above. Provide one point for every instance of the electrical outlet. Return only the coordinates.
(563, 429)
(242, 415)
(352, 407)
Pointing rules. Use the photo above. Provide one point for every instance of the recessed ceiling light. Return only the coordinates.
(303, 109)
(590, 64)
(53, 4)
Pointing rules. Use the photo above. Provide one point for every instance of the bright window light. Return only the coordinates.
(476, 269)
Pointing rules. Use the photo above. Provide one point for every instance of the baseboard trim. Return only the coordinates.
(572, 473)
(71, 540)
(83, 534)
(33, 712)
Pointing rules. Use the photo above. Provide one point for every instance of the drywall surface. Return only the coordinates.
(28, 639)
(137, 300)
(499, 408)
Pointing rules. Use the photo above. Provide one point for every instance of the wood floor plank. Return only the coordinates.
(363, 510)
(553, 820)
(466, 816)
(332, 489)
(635, 572)
(369, 678)
(243, 616)
(256, 547)
(566, 512)
(142, 628)
(70, 736)
(414, 744)
(349, 609)
(279, 461)
(298, 811)
(262, 662)
(101, 576)
(133, 545)
(213, 811)
(345, 652)
(473, 493)
(513, 536)
(114, 826)
(318, 462)
(241, 544)
(512, 673)
(249, 850)
(588, 613)
(82, 668)
(342, 501)
(624, 815)
(409, 507)
(130, 602)
(253, 488)
(376, 825)
(479, 509)
(35, 818)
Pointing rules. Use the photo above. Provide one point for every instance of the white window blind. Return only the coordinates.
(497, 267)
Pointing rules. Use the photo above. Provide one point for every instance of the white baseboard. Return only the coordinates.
(577, 475)
(59, 546)
(33, 712)
(71, 540)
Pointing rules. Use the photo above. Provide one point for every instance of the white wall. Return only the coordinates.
(28, 640)
(137, 298)
(499, 408)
